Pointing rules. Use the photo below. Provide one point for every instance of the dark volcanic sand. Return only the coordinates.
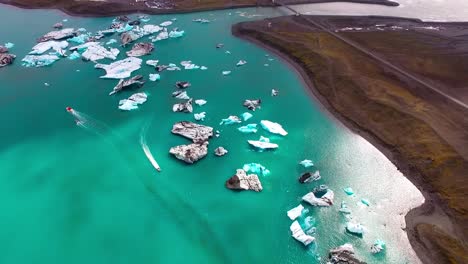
(422, 132)
(116, 7)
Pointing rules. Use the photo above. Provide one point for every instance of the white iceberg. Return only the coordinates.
(120, 69)
(324, 200)
(250, 128)
(93, 51)
(378, 246)
(306, 163)
(246, 116)
(200, 116)
(256, 168)
(161, 36)
(226, 72)
(181, 95)
(147, 30)
(39, 60)
(355, 228)
(154, 77)
(111, 41)
(133, 101)
(299, 234)
(188, 65)
(241, 62)
(172, 67)
(273, 127)
(176, 34)
(200, 102)
(230, 120)
(344, 208)
(153, 63)
(263, 143)
(42, 47)
(166, 23)
(295, 212)
(203, 68)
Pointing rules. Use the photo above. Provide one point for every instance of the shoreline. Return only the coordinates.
(109, 9)
(432, 210)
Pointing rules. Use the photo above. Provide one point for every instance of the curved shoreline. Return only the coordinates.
(432, 211)
(106, 9)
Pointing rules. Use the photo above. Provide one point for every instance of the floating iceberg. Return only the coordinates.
(250, 128)
(242, 181)
(172, 67)
(180, 95)
(183, 107)
(203, 68)
(200, 116)
(153, 63)
(193, 131)
(274, 92)
(188, 65)
(308, 177)
(348, 191)
(273, 127)
(111, 41)
(128, 37)
(166, 23)
(42, 47)
(306, 163)
(125, 28)
(319, 196)
(161, 36)
(220, 151)
(6, 59)
(80, 39)
(241, 62)
(132, 102)
(176, 34)
(147, 30)
(295, 212)
(140, 49)
(182, 85)
(200, 102)
(246, 116)
(378, 246)
(134, 81)
(93, 51)
(252, 104)
(230, 120)
(74, 55)
(190, 153)
(226, 72)
(39, 61)
(256, 168)
(201, 20)
(154, 77)
(120, 69)
(58, 35)
(365, 201)
(299, 234)
(343, 254)
(355, 228)
(263, 143)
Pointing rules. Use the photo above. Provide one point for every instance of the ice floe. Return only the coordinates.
(252, 104)
(321, 196)
(273, 127)
(133, 101)
(134, 81)
(246, 116)
(120, 69)
(250, 128)
(185, 107)
(39, 60)
(295, 212)
(299, 234)
(263, 143)
(355, 228)
(42, 47)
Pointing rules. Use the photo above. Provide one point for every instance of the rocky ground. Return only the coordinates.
(422, 131)
(115, 7)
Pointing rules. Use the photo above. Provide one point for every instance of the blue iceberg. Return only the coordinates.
(39, 61)
(80, 39)
(75, 55)
(256, 168)
(176, 34)
(306, 163)
(246, 116)
(9, 45)
(250, 128)
(365, 201)
(348, 191)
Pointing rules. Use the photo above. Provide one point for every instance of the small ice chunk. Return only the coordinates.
(132, 102)
(226, 72)
(355, 228)
(154, 77)
(153, 63)
(246, 116)
(274, 92)
(161, 36)
(126, 28)
(250, 128)
(120, 69)
(252, 104)
(365, 201)
(306, 163)
(200, 102)
(80, 39)
(295, 212)
(188, 65)
(9, 45)
(183, 107)
(180, 95)
(166, 23)
(378, 246)
(230, 120)
(46, 84)
(111, 41)
(201, 20)
(220, 151)
(228, 52)
(263, 143)
(176, 34)
(39, 60)
(74, 55)
(348, 191)
(344, 208)
(241, 62)
(203, 68)
(273, 127)
(172, 67)
(200, 116)
(299, 234)
(256, 168)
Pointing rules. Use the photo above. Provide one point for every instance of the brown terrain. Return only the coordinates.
(422, 130)
(117, 7)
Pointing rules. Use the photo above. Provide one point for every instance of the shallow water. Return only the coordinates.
(74, 195)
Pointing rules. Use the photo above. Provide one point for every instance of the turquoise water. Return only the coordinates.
(74, 195)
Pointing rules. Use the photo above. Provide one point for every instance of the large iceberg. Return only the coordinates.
(93, 51)
(295, 212)
(58, 35)
(190, 153)
(193, 131)
(263, 143)
(273, 127)
(120, 69)
(133, 101)
(39, 60)
(299, 234)
(250, 128)
(256, 168)
(42, 47)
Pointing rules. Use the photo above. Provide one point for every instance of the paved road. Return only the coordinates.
(375, 56)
